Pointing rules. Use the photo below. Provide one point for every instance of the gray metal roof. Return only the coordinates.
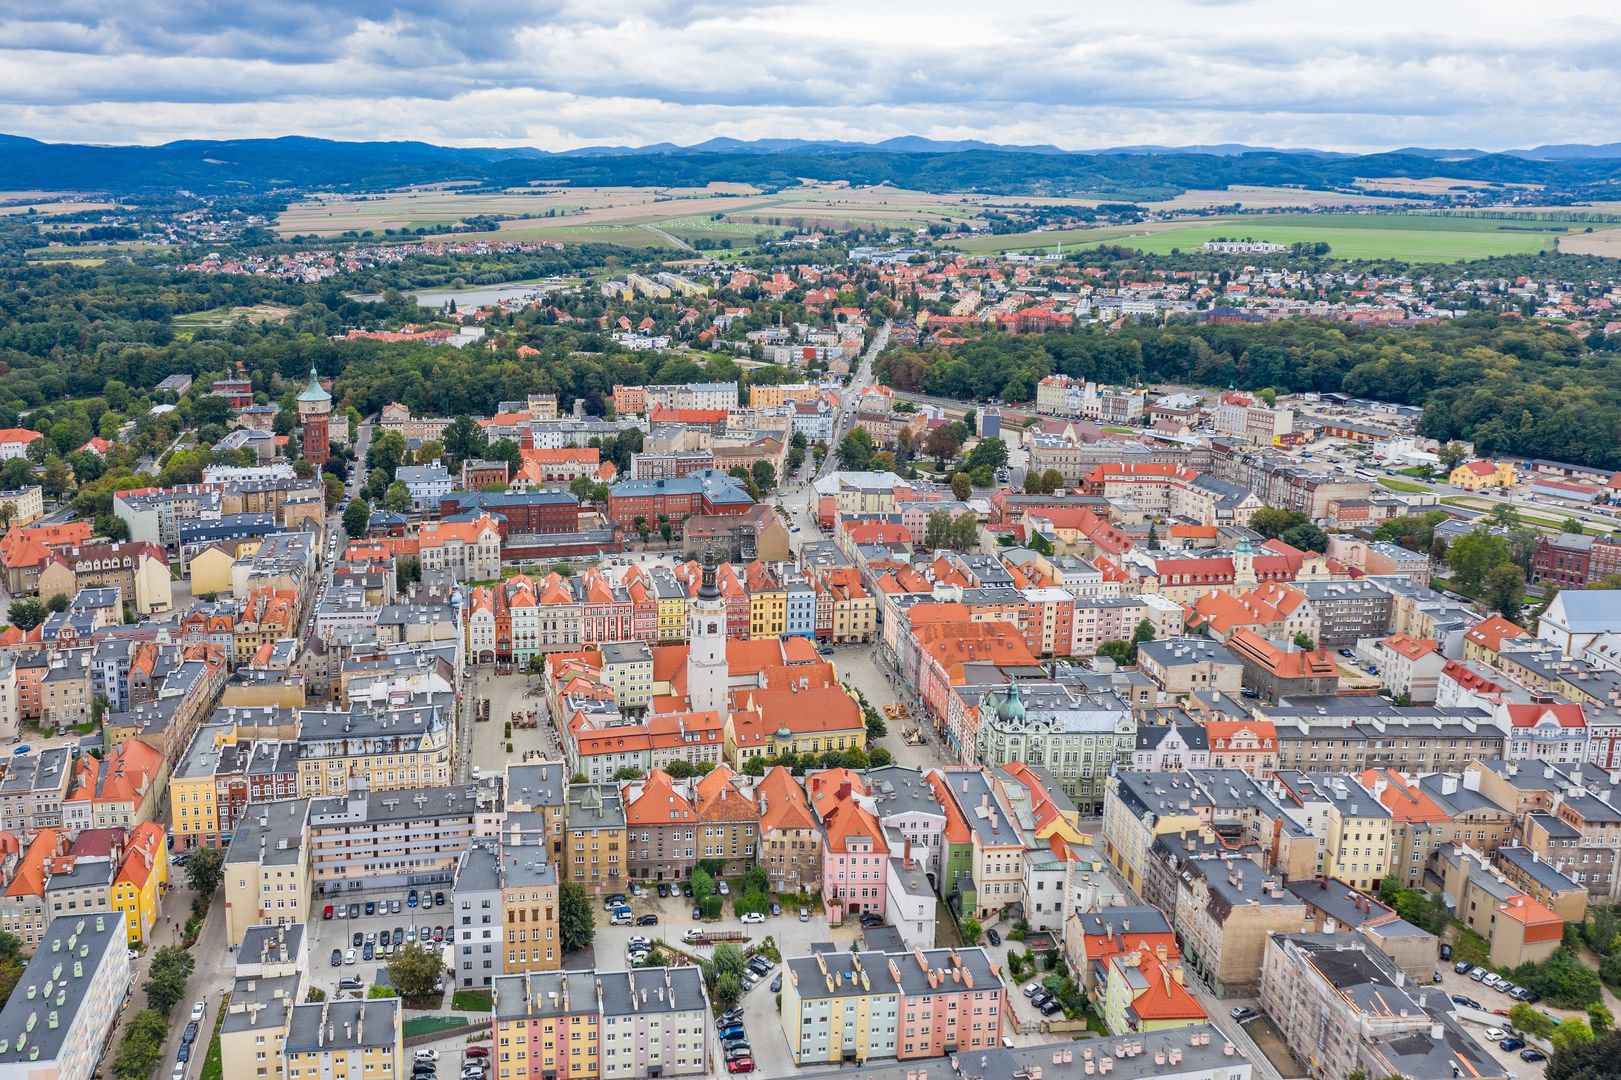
(45, 1004)
(343, 1025)
(270, 834)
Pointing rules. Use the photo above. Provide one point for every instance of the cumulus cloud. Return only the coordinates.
(563, 73)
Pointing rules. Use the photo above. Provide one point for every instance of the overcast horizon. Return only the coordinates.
(562, 74)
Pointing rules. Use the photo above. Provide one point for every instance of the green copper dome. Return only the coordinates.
(1012, 706)
(314, 391)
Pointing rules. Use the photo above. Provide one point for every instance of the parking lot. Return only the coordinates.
(337, 934)
(1496, 1005)
(761, 1022)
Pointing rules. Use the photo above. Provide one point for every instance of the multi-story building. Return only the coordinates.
(1387, 1025)
(391, 748)
(1078, 737)
(476, 898)
(267, 869)
(529, 912)
(728, 822)
(60, 1016)
(398, 837)
(655, 1022)
(661, 827)
(852, 1008)
(359, 1040)
(595, 847)
(790, 842)
(1251, 419)
(1226, 908)
(624, 1025)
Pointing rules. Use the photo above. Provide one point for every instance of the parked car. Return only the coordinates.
(476, 1052)
(730, 1016)
(740, 1065)
(993, 937)
(1512, 1043)
(1496, 1033)
(427, 1054)
(1462, 967)
(804, 914)
(697, 913)
(1446, 951)
(184, 1053)
(371, 907)
(776, 909)
(358, 940)
(343, 911)
(198, 1010)
(367, 952)
(411, 899)
(349, 957)
(686, 889)
(326, 912)
(337, 957)
(1466, 1002)
(742, 1051)
(647, 920)
(350, 982)
(1478, 974)
(664, 890)
(612, 901)
(731, 1031)
(721, 887)
(438, 934)
(399, 935)
(1242, 1012)
(1051, 1007)
(439, 899)
(190, 1034)
(354, 911)
(1531, 1053)
(753, 917)
(776, 984)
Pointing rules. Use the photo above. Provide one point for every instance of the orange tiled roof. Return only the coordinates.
(1492, 631)
(659, 803)
(782, 802)
(29, 880)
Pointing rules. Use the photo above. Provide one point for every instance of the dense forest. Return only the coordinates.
(237, 166)
(1507, 387)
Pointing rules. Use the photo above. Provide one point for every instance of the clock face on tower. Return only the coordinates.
(713, 629)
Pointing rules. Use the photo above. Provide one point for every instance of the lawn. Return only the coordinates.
(429, 1025)
(213, 1061)
(471, 1001)
(1402, 485)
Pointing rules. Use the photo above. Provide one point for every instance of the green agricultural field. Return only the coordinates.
(1409, 237)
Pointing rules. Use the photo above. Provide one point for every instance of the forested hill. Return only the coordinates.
(256, 165)
(1506, 387)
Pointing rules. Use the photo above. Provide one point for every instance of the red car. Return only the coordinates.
(476, 1052)
(327, 913)
(740, 1065)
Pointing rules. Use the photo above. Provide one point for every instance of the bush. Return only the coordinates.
(1563, 981)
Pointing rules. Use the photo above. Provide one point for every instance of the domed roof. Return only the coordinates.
(314, 391)
(1011, 706)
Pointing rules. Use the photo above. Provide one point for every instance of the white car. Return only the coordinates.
(427, 1055)
(1496, 1034)
(198, 1010)
(754, 917)
(349, 957)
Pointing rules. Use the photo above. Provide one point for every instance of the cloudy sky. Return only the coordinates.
(561, 73)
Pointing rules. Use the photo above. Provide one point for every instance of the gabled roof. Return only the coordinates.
(782, 803)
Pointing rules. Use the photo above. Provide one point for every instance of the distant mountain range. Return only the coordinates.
(295, 163)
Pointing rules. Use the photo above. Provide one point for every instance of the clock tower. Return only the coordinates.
(707, 674)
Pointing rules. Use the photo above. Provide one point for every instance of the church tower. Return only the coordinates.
(707, 674)
(1244, 565)
(314, 414)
